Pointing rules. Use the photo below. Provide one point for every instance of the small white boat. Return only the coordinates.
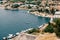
(40, 26)
(28, 11)
(17, 33)
(23, 31)
(10, 36)
(4, 38)
(26, 30)
(51, 20)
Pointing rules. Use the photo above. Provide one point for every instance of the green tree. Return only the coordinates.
(38, 3)
(53, 11)
(15, 6)
(49, 29)
(33, 30)
(29, 7)
(46, 10)
(57, 28)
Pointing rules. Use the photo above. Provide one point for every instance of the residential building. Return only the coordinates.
(57, 14)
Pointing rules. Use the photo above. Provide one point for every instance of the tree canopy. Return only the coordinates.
(49, 29)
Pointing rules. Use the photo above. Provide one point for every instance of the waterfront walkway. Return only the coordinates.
(43, 27)
(24, 36)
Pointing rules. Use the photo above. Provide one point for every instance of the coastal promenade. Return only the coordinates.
(24, 36)
(43, 27)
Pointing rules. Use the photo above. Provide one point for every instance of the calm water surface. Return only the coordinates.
(16, 21)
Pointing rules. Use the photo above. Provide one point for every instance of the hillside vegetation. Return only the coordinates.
(54, 27)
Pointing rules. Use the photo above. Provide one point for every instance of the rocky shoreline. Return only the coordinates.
(42, 14)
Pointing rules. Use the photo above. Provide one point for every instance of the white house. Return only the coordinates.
(57, 14)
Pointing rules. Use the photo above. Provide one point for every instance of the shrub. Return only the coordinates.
(15, 6)
(29, 7)
(46, 10)
(32, 31)
(1, 2)
(57, 21)
(57, 28)
(54, 28)
(53, 11)
(49, 29)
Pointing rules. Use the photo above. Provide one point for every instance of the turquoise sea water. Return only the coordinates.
(16, 21)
